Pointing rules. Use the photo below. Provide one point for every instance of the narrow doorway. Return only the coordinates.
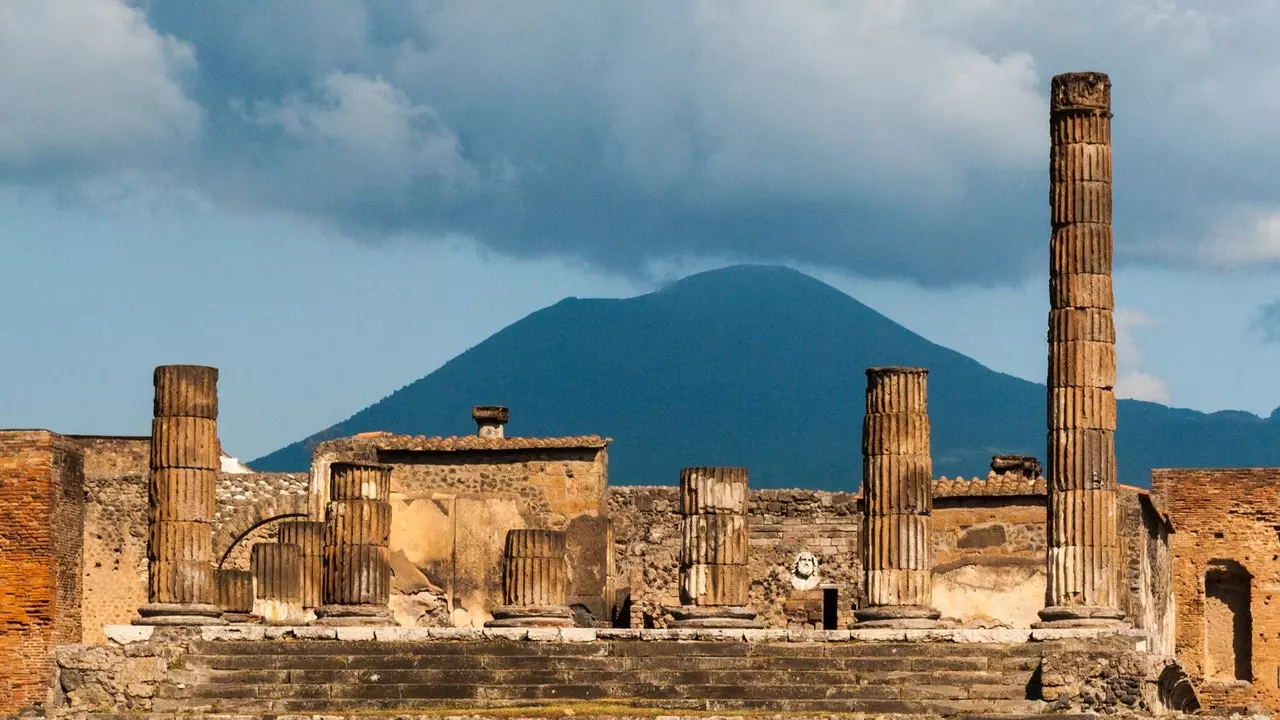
(830, 608)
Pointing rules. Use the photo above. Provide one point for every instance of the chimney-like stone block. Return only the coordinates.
(490, 419)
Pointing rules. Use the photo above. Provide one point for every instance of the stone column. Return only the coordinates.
(184, 467)
(277, 582)
(897, 489)
(715, 579)
(490, 419)
(533, 581)
(1084, 554)
(357, 559)
(235, 595)
(309, 537)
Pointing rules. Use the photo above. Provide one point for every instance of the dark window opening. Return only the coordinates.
(830, 608)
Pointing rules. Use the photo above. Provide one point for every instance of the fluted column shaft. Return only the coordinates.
(1084, 551)
(713, 555)
(309, 537)
(533, 570)
(235, 590)
(897, 482)
(184, 465)
(277, 581)
(357, 559)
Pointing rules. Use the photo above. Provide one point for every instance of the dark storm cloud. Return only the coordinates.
(884, 139)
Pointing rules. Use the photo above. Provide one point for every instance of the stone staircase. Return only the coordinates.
(603, 678)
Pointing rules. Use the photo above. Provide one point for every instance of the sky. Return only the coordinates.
(328, 199)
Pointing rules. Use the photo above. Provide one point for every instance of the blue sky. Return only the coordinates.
(328, 199)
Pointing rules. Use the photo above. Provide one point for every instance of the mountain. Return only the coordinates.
(762, 367)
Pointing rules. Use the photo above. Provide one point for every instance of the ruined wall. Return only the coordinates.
(989, 544)
(115, 530)
(783, 523)
(41, 546)
(249, 506)
(453, 501)
(1226, 579)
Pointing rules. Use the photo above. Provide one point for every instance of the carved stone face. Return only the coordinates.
(805, 565)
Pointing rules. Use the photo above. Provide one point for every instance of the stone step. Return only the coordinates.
(627, 692)
(652, 676)
(463, 706)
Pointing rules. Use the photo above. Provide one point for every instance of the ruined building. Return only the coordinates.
(487, 571)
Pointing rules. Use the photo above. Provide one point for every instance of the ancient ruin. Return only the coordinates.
(463, 575)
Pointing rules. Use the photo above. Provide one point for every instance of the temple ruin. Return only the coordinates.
(467, 574)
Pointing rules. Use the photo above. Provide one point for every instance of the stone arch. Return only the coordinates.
(1228, 621)
(250, 517)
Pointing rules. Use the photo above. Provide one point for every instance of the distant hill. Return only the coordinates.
(762, 367)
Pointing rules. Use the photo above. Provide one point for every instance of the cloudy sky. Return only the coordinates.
(329, 198)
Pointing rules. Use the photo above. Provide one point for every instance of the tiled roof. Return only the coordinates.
(390, 441)
(992, 485)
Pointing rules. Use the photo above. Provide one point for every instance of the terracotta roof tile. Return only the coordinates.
(463, 443)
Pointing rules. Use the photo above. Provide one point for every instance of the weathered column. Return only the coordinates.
(897, 488)
(309, 537)
(714, 577)
(490, 419)
(533, 581)
(277, 582)
(235, 595)
(357, 559)
(184, 466)
(1084, 552)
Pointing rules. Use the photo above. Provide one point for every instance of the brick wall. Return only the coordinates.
(41, 541)
(1226, 579)
(115, 530)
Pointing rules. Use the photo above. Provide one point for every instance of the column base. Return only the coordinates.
(713, 616)
(354, 616)
(1080, 616)
(897, 616)
(531, 616)
(179, 614)
(239, 618)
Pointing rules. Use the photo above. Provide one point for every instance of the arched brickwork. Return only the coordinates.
(250, 517)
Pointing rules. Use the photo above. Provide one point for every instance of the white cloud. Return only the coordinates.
(89, 87)
(1246, 236)
(1131, 380)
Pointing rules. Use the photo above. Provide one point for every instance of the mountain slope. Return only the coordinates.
(762, 367)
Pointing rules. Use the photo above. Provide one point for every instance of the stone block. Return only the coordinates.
(128, 634)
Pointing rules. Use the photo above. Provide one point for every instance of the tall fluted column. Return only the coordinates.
(309, 537)
(357, 558)
(184, 466)
(533, 581)
(277, 582)
(1084, 550)
(897, 487)
(714, 576)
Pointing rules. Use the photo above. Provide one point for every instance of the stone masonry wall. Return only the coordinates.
(41, 544)
(1226, 579)
(115, 530)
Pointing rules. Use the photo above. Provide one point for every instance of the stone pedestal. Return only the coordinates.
(1084, 551)
(309, 537)
(715, 579)
(357, 561)
(533, 581)
(897, 485)
(184, 465)
(235, 595)
(277, 583)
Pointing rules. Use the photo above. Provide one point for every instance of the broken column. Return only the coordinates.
(1084, 554)
(714, 577)
(184, 466)
(277, 582)
(357, 558)
(309, 537)
(897, 487)
(490, 419)
(235, 595)
(533, 581)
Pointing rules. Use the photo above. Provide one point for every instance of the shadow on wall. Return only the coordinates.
(1228, 622)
